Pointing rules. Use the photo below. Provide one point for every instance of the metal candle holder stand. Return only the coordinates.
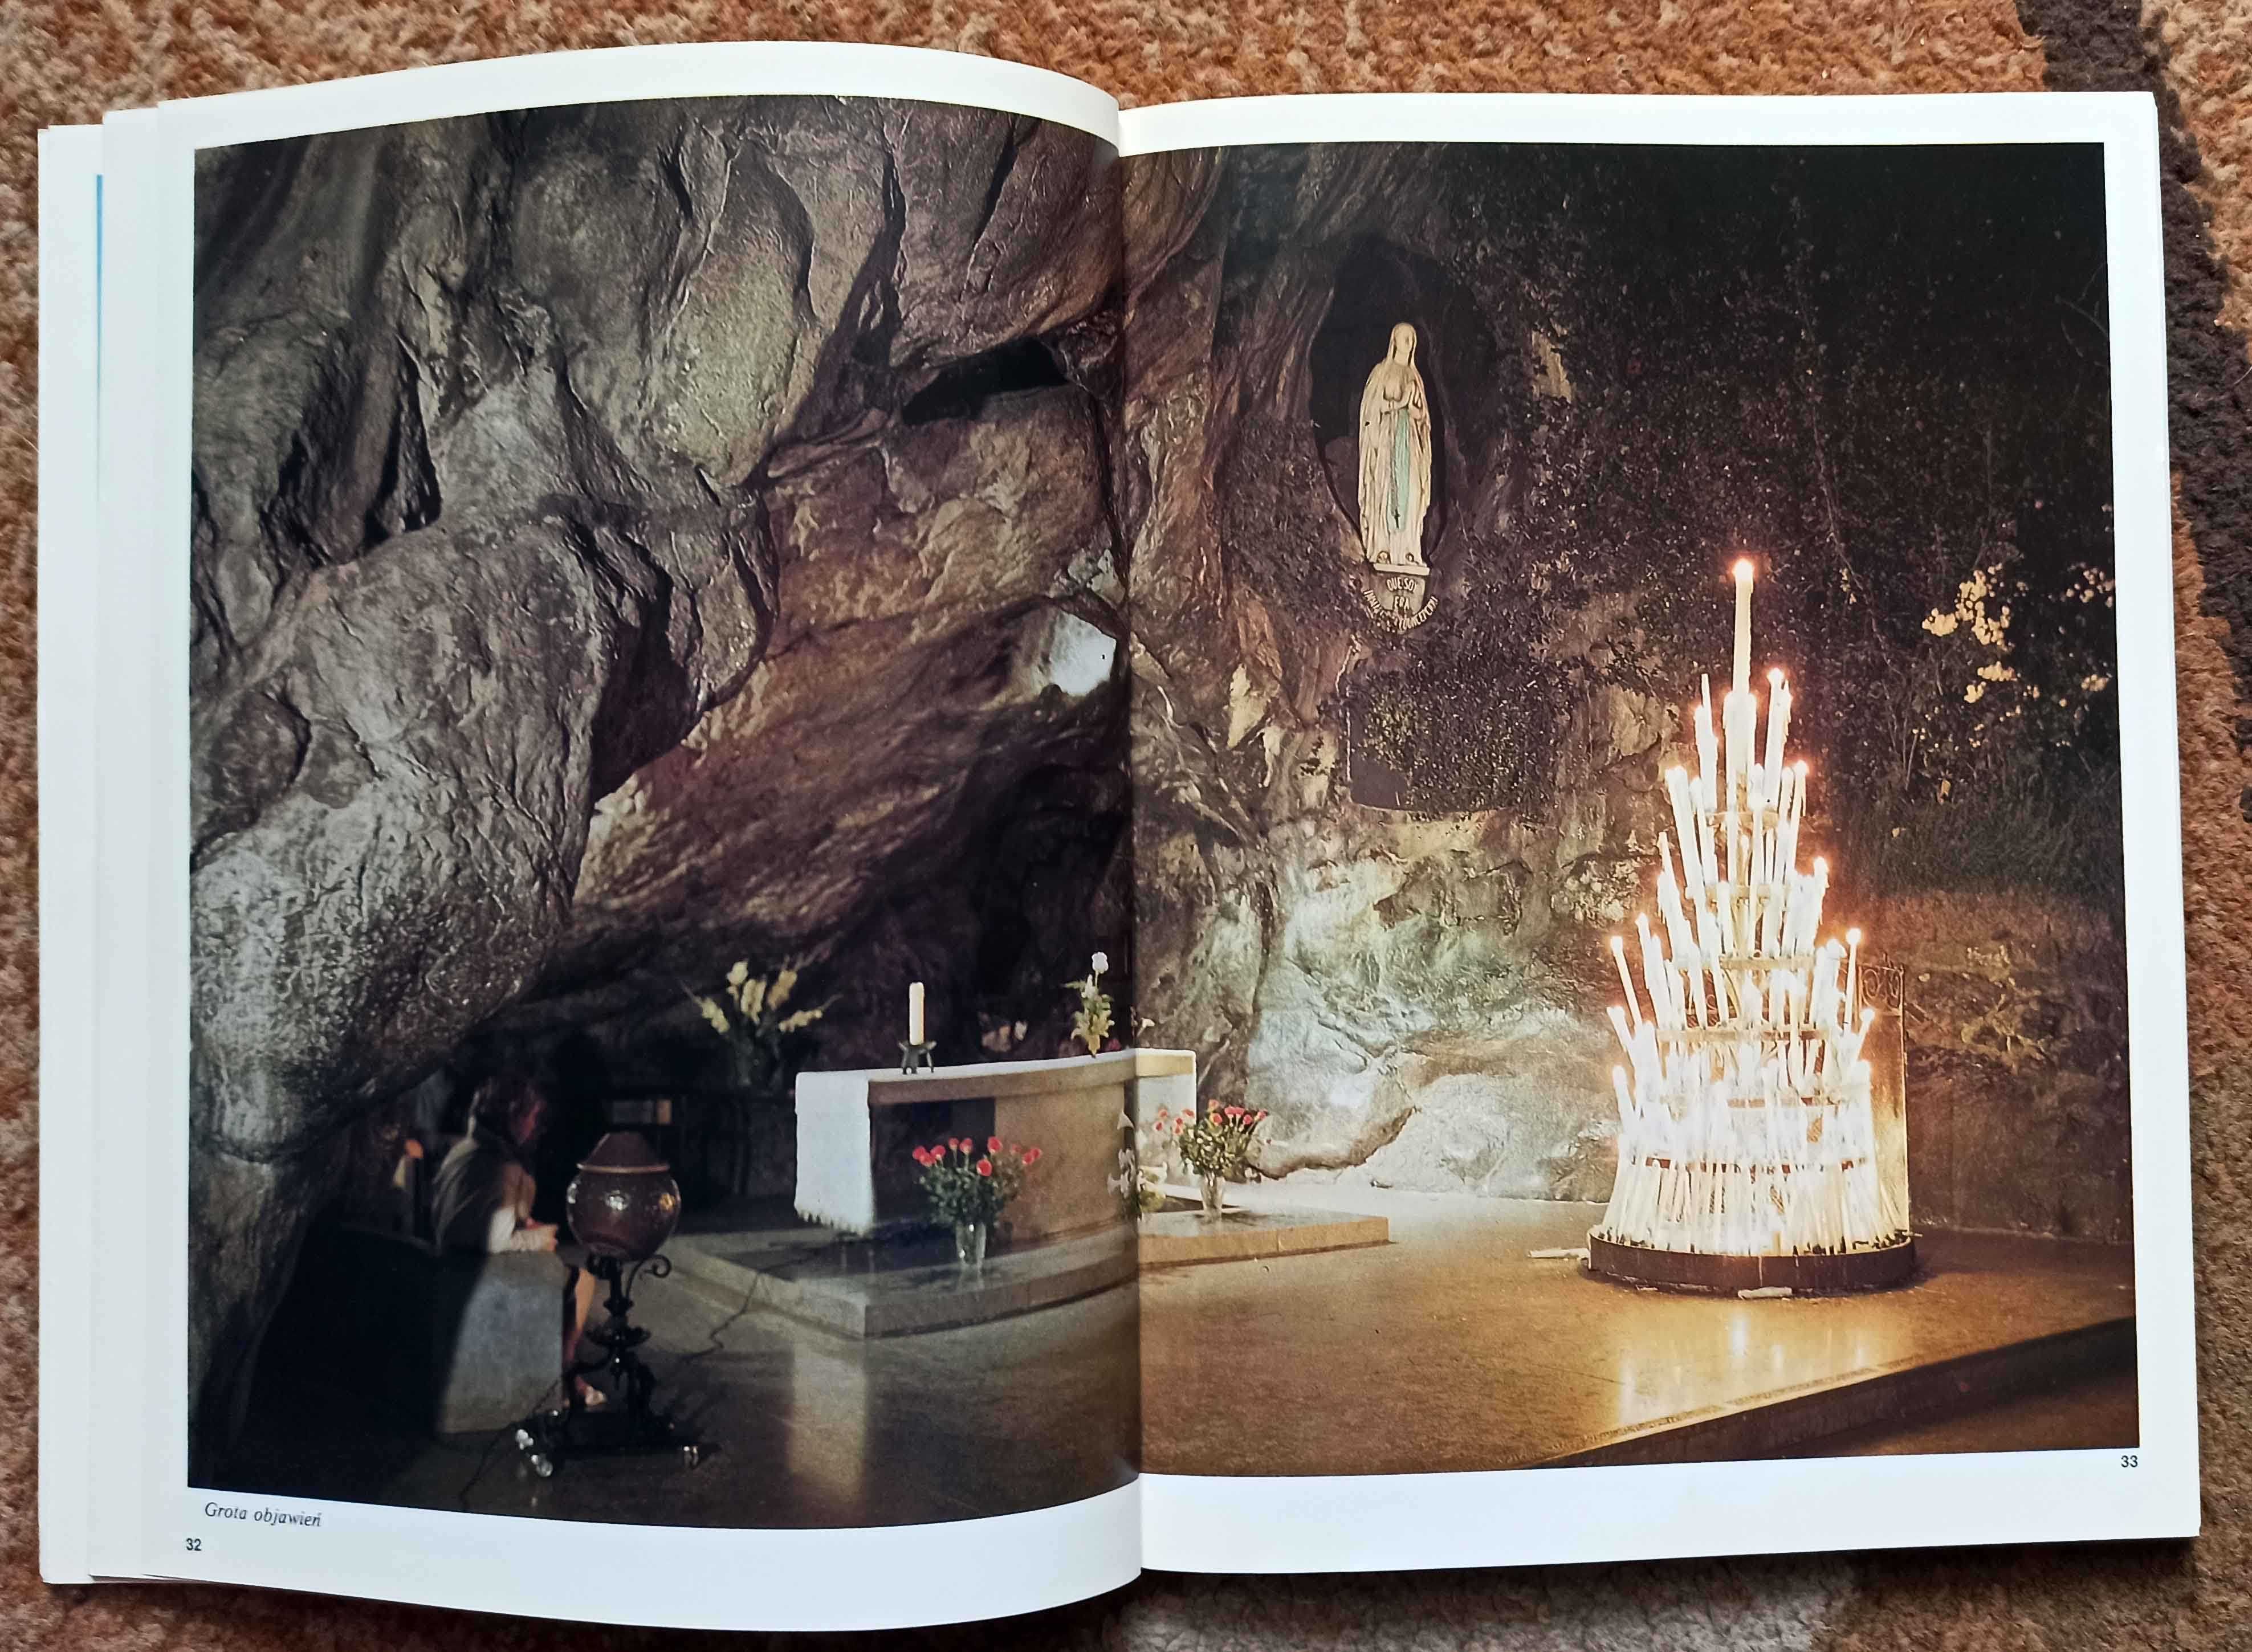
(628, 1423)
(916, 1058)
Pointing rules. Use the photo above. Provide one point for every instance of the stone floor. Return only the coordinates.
(1452, 1349)
(804, 1428)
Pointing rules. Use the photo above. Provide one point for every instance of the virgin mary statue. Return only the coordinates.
(1396, 464)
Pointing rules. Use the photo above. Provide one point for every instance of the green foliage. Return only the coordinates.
(2012, 828)
(1463, 730)
(1984, 749)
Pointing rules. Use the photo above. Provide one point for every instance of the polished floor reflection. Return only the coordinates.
(1453, 1347)
(803, 1427)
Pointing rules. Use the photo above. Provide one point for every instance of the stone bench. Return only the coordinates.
(857, 1132)
(458, 1342)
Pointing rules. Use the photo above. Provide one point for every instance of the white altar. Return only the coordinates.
(856, 1131)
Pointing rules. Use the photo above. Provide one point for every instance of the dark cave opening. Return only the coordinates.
(962, 388)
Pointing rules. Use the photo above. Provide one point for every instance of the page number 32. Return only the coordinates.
(195, 1546)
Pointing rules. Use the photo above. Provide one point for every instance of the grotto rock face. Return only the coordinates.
(947, 652)
(528, 447)
(1381, 979)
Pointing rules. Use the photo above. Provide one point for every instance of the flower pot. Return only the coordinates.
(1209, 1186)
(969, 1244)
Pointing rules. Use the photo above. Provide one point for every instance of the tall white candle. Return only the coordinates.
(1852, 975)
(1685, 827)
(1669, 903)
(914, 1012)
(1626, 981)
(1736, 712)
(1743, 625)
(1825, 997)
(1778, 721)
(1708, 748)
(1652, 979)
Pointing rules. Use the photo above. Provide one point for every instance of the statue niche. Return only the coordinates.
(1395, 481)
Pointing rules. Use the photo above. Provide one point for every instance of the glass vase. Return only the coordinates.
(1209, 1186)
(969, 1244)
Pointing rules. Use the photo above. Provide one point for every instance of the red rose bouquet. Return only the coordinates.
(968, 1183)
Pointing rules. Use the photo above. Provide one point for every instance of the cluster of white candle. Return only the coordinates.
(1745, 1123)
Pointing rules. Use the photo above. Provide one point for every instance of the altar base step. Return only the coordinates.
(1794, 1423)
(1181, 1233)
(901, 1286)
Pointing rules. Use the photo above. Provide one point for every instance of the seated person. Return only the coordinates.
(481, 1197)
(383, 1183)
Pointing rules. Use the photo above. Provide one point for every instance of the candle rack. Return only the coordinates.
(1751, 1154)
(916, 1057)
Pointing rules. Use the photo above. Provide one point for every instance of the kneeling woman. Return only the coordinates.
(481, 1198)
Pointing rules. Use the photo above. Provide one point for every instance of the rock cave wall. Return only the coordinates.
(629, 539)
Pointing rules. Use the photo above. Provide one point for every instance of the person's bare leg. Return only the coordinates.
(578, 1302)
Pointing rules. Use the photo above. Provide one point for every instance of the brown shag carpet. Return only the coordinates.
(70, 60)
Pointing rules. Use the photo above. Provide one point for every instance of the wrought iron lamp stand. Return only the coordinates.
(629, 1423)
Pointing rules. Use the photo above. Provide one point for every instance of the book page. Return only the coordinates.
(1636, 603)
(630, 876)
(70, 259)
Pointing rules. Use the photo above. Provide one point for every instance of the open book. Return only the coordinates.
(830, 840)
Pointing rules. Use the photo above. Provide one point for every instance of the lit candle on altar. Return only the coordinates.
(1852, 974)
(1633, 1004)
(1743, 625)
(914, 1012)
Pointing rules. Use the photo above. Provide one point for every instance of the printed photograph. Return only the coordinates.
(662, 898)
(1628, 808)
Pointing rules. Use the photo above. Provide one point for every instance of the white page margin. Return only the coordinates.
(69, 528)
(617, 74)
(1522, 117)
(128, 1358)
